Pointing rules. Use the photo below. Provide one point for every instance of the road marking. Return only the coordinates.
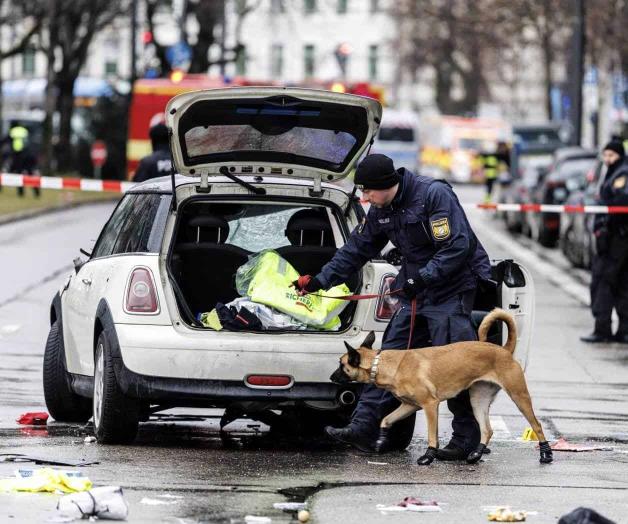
(9, 329)
(500, 429)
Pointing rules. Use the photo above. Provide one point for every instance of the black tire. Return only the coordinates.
(116, 416)
(63, 404)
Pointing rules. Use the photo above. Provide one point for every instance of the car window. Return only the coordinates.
(109, 234)
(396, 134)
(576, 167)
(261, 227)
(140, 232)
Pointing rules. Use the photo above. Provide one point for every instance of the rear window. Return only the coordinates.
(576, 167)
(538, 136)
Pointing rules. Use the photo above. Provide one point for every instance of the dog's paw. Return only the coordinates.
(427, 458)
(475, 456)
(381, 444)
(546, 453)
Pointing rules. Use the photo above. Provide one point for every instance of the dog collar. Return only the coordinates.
(374, 367)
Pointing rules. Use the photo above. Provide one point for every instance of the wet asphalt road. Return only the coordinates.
(580, 392)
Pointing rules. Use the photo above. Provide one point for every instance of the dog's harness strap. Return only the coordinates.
(374, 366)
(412, 323)
(358, 297)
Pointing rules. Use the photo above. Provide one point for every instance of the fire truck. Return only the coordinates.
(150, 97)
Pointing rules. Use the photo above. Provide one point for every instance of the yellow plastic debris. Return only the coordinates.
(506, 515)
(529, 434)
(46, 480)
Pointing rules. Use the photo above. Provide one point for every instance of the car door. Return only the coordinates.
(85, 290)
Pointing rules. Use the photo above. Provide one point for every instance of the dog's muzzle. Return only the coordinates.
(339, 377)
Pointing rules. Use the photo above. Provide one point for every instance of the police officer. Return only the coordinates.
(159, 163)
(609, 271)
(21, 158)
(442, 264)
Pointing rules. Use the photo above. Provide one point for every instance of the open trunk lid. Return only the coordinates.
(286, 132)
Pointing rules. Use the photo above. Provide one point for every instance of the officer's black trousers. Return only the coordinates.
(435, 325)
(609, 287)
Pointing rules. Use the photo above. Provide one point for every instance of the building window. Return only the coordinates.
(373, 59)
(308, 60)
(374, 6)
(277, 6)
(241, 62)
(111, 68)
(342, 6)
(28, 61)
(309, 6)
(276, 60)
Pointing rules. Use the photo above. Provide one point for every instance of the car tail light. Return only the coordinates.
(269, 381)
(141, 296)
(386, 304)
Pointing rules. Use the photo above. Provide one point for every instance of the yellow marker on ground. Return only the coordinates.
(529, 434)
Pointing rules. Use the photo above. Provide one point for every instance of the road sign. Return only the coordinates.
(98, 153)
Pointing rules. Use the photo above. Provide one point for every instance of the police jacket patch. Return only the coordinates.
(440, 228)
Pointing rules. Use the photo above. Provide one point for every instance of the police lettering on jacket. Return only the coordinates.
(428, 226)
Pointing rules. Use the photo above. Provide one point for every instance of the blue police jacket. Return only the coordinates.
(426, 222)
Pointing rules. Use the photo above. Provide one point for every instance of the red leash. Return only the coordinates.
(367, 297)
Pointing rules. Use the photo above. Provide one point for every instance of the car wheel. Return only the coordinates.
(63, 404)
(116, 416)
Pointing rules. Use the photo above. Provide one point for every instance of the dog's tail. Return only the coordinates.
(500, 314)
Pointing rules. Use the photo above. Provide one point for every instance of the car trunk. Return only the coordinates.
(212, 239)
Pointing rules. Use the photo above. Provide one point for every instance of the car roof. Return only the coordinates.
(164, 184)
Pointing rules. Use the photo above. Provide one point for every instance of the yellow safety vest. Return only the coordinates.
(490, 166)
(18, 136)
(267, 277)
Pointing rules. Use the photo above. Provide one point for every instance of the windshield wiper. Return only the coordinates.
(224, 171)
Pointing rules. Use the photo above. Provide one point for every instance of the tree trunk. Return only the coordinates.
(47, 154)
(65, 104)
(548, 62)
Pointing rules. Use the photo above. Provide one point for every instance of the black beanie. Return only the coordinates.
(376, 172)
(616, 145)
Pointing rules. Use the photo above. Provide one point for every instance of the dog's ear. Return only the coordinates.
(354, 356)
(368, 341)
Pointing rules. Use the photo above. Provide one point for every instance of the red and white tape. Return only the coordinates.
(118, 186)
(55, 182)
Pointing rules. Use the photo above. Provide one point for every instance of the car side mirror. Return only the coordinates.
(78, 263)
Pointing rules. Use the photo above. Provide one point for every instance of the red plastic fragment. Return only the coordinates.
(33, 418)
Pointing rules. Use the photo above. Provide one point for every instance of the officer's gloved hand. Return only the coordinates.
(412, 287)
(307, 284)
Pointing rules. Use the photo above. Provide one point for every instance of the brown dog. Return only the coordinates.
(423, 378)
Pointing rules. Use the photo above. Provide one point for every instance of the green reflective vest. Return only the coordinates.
(490, 166)
(18, 136)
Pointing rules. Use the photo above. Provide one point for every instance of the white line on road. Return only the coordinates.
(500, 429)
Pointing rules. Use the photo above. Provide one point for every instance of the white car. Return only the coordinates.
(258, 168)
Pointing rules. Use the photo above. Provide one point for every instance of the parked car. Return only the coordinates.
(576, 229)
(568, 163)
(532, 169)
(259, 168)
(534, 140)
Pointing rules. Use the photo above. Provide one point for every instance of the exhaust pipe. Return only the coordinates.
(346, 397)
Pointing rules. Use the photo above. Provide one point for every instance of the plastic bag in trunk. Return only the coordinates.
(267, 278)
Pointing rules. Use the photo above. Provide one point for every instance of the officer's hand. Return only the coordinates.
(307, 284)
(412, 287)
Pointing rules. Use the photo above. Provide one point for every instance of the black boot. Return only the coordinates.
(353, 436)
(595, 338)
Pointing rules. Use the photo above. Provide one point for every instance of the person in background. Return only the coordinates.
(159, 162)
(609, 271)
(22, 161)
(493, 164)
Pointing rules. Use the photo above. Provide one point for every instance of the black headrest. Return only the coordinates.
(208, 228)
(309, 227)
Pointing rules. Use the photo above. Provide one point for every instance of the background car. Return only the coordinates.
(125, 339)
(576, 229)
(569, 163)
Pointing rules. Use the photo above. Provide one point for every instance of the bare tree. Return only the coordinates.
(25, 18)
(71, 26)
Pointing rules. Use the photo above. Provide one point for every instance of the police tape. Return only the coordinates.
(118, 186)
(56, 182)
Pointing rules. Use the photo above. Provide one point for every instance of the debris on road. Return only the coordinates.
(157, 502)
(584, 516)
(411, 504)
(19, 457)
(377, 463)
(505, 514)
(34, 418)
(254, 519)
(290, 506)
(89, 440)
(46, 480)
(562, 445)
(529, 434)
(105, 503)
(303, 515)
